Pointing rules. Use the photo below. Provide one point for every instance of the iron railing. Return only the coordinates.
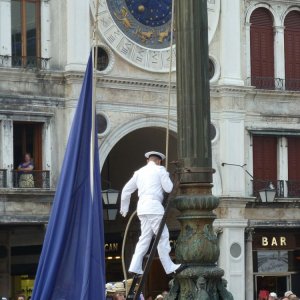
(271, 83)
(293, 188)
(284, 188)
(3, 178)
(31, 179)
(27, 62)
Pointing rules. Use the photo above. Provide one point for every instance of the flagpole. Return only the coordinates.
(95, 62)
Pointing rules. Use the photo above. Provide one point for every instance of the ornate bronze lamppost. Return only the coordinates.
(197, 243)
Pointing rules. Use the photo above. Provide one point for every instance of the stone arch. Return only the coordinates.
(122, 130)
(249, 11)
(252, 8)
(287, 11)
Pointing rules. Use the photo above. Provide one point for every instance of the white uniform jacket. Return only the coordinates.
(151, 181)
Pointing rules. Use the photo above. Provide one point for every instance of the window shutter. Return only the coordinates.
(292, 50)
(265, 158)
(294, 158)
(262, 49)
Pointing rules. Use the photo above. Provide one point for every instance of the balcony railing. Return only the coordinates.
(271, 83)
(284, 188)
(3, 178)
(27, 62)
(31, 179)
(293, 187)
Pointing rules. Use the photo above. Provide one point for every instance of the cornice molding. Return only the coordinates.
(31, 100)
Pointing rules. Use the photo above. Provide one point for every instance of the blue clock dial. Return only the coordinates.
(150, 12)
(146, 22)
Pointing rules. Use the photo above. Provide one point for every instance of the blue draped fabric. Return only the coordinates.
(72, 263)
(151, 12)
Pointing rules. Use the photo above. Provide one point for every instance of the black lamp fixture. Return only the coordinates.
(268, 194)
(110, 208)
(110, 199)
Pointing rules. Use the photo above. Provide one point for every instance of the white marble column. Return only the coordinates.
(5, 31)
(279, 59)
(232, 256)
(78, 34)
(7, 148)
(249, 266)
(232, 136)
(231, 42)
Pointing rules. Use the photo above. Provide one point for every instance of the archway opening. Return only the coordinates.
(126, 156)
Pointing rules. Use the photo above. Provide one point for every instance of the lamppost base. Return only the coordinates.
(199, 282)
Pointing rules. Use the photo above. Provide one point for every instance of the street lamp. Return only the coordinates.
(268, 194)
(110, 199)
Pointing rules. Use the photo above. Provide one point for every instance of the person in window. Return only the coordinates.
(25, 171)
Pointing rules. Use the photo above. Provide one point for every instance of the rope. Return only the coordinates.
(167, 146)
(169, 88)
(95, 56)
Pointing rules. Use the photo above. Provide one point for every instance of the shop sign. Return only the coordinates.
(111, 247)
(274, 241)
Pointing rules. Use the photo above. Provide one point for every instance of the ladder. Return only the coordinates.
(140, 280)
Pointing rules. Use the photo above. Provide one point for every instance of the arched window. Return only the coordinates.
(292, 50)
(262, 49)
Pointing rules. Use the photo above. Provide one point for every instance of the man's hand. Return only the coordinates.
(123, 213)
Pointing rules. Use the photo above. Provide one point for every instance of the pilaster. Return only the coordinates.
(283, 162)
(5, 30)
(232, 135)
(78, 34)
(45, 29)
(232, 256)
(231, 224)
(6, 147)
(231, 73)
(279, 61)
(47, 146)
(249, 265)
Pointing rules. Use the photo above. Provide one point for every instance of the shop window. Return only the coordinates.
(25, 33)
(264, 162)
(262, 49)
(292, 50)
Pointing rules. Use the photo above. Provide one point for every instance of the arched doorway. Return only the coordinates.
(126, 156)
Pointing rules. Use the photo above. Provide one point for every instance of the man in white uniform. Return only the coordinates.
(151, 181)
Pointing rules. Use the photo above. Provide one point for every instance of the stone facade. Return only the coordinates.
(133, 101)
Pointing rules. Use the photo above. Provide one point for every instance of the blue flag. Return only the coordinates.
(72, 263)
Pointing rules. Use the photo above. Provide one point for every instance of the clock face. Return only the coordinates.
(146, 22)
(140, 31)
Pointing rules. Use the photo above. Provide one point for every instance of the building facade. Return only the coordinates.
(255, 132)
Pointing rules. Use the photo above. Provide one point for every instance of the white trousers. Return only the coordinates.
(149, 227)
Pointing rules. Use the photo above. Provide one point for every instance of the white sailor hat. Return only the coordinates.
(148, 154)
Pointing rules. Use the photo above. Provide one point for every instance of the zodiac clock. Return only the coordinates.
(140, 31)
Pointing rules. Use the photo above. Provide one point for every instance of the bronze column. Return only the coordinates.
(197, 244)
